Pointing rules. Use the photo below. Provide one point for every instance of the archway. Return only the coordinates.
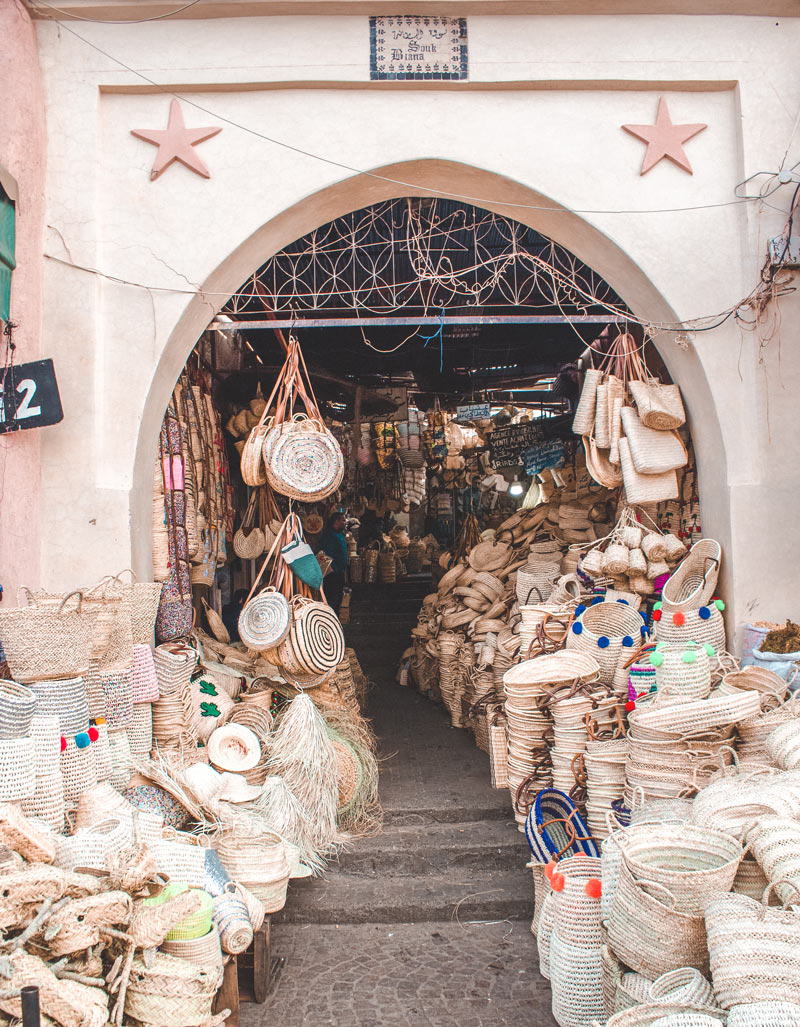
(578, 234)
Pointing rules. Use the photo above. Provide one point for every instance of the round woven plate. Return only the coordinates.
(489, 556)
(265, 620)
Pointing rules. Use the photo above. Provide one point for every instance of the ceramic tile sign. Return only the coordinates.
(29, 397)
(421, 47)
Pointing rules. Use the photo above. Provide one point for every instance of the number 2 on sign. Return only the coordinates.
(27, 389)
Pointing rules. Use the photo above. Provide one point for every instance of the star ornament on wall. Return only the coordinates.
(664, 139)
(176, 142)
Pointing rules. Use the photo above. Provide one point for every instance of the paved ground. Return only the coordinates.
(428, 924)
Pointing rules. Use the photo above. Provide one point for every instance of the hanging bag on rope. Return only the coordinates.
(660, 406)
(248, 542)
(266, 616)
(301, 457)
(653, 452)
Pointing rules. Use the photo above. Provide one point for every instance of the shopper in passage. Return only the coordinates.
(333, 543)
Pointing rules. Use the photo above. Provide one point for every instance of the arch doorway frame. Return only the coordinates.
(450, 179)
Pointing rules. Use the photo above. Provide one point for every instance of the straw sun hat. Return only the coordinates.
(234, 748)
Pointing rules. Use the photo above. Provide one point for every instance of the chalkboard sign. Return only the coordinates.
(543, 455)
(29, 397)
(507, 444)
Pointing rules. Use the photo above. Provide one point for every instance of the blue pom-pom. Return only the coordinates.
(627, 641)
(82, 740)
(579, 609)
(704, 613)
(643, 630)
(577, 628)
(596, 600)
(603, 642)
(643, 615)
(624, 602)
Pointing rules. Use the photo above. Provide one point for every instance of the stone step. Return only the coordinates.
(407, 850)
(341, 898)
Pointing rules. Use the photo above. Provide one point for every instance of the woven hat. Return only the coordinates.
(236, 789)
(203, 781)
(234, 748)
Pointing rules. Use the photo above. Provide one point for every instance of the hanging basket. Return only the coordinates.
(693, 583)
(315, 642)
(265, 620)
(303, 460)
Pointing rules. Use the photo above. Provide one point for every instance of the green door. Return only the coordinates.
(7, 263)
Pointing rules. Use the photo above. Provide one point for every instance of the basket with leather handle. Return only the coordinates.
(249, 540)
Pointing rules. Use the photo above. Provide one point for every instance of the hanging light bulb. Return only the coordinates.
(515, 488)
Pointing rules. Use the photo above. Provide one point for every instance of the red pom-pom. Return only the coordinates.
(94, 734)
(630, 705)
(63, 743)
(557, 881)
(656, 615)
(548, 869)
(678, 618)
(594, 889)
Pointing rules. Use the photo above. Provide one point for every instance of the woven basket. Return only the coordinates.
(704, 626)
(140, 730)
(754, 950)
(78, 768)
(693, 583)
(775, 844)
(694, 863)
(544, 934)
(144, 680)
(688, 1019)
(576, 979)
(783, 745)
(683, 985)
(195, 925)
(650, 1013)
(44, 641)
(47, 802)
(632, 989)
(93, 846)
(175, 664)
(315, 643)
(118, 697)
(121, 762)
(17, 707)
(232, 921)
(684, 671)
(172, 991)
(647, 932)
(185, 863)
(46, 734)
(65, 699)
(265, 620)
(205, 951)
(605, 631)
(576, 916)
(102, 752)
(259, 863)
(17, 769)
(141, 599)
(765, 1014)
(303, 460)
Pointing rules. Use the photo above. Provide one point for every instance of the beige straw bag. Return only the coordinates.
(249, 540)
(659, 406)
(48, 640)
(171, 991)
(645, 488)
(652, 452)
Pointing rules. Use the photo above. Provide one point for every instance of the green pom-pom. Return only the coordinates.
(657, 606)
(709, 649)
(719, 605)
(660, 645)
(689, 656)
(656, 659)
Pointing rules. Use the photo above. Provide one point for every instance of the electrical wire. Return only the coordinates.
(415, 187)
(101, 21)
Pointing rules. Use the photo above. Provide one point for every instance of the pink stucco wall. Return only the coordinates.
(22, 153)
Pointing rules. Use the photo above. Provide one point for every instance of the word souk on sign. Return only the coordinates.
(418, 47)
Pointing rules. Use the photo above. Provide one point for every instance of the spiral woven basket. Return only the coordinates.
(17, 707)
(65, 699)
(303, 460)
(47, 641)
(683, 985)
(265, 620)
(544, 934)
(315, 643)
(248, 543)
(171, 991)
(605, 631)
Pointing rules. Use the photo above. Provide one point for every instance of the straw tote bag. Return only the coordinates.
(249, 540)
(653, 452)
(645, 488)
(660, 406)
(302, 458)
